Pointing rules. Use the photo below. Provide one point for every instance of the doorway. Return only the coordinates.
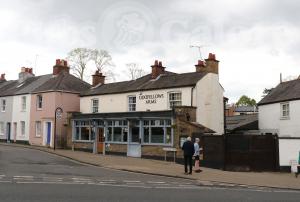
(15, 131)
(134, 148)
(8, 131)
(48, 125)
(101, 140)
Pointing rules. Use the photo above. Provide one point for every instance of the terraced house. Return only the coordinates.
(28, 105)
(145, 116)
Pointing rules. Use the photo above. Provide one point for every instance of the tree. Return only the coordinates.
(267, 91)
(103, 62)
(135, 71)
(246, 101)
(79, 58)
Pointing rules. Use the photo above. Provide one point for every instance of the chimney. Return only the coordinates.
(25, 74)
(200, 67)
(212, 65)
(2, 78)
(98, 78)
(157, 69)
(60, 66)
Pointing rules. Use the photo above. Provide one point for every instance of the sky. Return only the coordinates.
(254, 40)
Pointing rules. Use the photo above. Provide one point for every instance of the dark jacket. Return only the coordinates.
(188, 148)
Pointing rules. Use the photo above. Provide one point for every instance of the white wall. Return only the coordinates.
(6, 116)
(19, 115)
(288, 150)
(209, 101)
(270, 121)
(119, 102)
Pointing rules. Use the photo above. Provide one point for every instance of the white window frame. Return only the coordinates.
(2, 128)
(95, 109)
(38, 128)
(3, 105)
(39, 102)
(285, 110)
(23, 128)
(131, 105)
(23, 103)
(175, 100)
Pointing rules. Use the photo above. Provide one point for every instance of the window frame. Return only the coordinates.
(39, 102)
(131, 105)
(23, 128)
(286, 110)
(38, 131)
(23, 103)
(157, 123)
(94, 109)
(170, 106)
(2, 128)
(3, 105)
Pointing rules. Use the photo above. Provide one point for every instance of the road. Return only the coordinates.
(32, 175)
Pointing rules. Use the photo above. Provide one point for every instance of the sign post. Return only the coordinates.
(58, 115)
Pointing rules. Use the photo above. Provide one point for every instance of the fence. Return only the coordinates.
(241, 152)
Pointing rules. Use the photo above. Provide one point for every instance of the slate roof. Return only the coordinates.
(245, 109)
(167, 80)
(45, 83)
(242, 122)
(285, 91)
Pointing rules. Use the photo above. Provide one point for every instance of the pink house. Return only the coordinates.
(59, 89)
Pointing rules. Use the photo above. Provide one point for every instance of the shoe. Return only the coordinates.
(190, 173)
(185, 173)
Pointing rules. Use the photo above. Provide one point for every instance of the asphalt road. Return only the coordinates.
(31, 175)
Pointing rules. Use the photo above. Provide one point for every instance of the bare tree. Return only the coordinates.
(79, 58)
(135, 71)
(103, 62)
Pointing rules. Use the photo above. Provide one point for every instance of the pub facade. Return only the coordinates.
(142, 117)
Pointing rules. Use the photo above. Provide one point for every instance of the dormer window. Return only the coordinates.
(39, 101)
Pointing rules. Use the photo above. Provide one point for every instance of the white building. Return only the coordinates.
(151, 98)
(279, 113)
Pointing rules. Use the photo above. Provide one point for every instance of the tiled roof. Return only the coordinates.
(245, 109)
(285, 91)
(62, 82)
(168, 80)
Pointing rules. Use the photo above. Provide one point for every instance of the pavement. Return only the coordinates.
(208, 177)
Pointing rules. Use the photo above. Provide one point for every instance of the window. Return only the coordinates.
(174, 99)
(157, 131)
(23, 103)
(1, 128)
(131, 103)
(95, 105)
(22, 128)
(285, 110)
(3, 105)
(39, 101)
(82, 130)
(117, 131)
(38, 128)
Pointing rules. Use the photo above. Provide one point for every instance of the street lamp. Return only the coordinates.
(58, 114)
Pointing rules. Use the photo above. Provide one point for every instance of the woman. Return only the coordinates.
(197, 155)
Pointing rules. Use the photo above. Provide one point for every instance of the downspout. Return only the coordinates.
(192, 96)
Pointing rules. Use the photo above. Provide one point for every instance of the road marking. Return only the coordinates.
(155, 182)
(131, 181)
(5, 181)
(23, 176)
(2, 175)
(107, 180)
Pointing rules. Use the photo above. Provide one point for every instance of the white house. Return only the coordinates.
(279, 113)
(151, 99)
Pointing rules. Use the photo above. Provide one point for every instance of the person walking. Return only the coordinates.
(197, 155)
(188, 152)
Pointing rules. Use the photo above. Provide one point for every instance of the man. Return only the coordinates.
(188, 152)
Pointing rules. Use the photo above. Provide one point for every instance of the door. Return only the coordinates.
(100, 143)
(8, 132)
(134, 148)
(48, 133)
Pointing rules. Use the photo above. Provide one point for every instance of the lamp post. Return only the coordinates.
(58, 114)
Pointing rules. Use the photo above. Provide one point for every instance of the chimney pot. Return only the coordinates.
(156, 63)
(2, 78)
(98, 78)
(60, 65)
(160, 64)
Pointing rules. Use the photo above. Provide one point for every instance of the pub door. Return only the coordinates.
(101, 140)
